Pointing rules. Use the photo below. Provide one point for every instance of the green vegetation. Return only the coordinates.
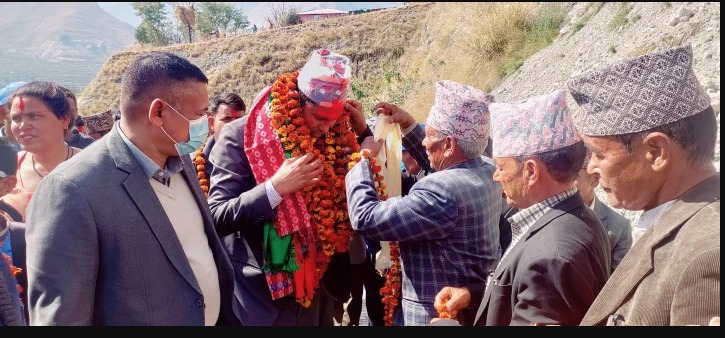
(217, 19)
(396, 55)
(620, 18)
(220, 19)
(375, 42)
(612, 50)
(591, 10)
(667, 4)
(540, 30)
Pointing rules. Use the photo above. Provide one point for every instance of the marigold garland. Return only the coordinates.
(326, 201)
(14, 269)
(200, 163)
(443, 310)
(392, 289)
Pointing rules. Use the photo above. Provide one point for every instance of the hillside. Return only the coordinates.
(374, 42)
(512, 50)
(64, 42)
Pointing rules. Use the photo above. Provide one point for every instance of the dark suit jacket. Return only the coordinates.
(618, 228)
(101, 250)
(17, 245)
(671, 276)
(207, 151)
(240, 208)
(553, 273)
(11, 309)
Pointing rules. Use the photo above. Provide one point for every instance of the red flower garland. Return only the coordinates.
(326, 201)
(392, 290)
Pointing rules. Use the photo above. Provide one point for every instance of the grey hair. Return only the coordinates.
(470, 149)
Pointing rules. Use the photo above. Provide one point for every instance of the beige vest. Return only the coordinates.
(183, 212)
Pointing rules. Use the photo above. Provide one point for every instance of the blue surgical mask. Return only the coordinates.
(198, 131)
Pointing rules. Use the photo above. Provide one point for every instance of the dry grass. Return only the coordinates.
(248, 63)
(397, 54)
(477, 44)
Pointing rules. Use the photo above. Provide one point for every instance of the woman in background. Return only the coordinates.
(40, 116)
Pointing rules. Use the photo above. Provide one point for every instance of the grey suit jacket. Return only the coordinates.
(671, 276)
(101, 250)
(618, 229)
(553, 273)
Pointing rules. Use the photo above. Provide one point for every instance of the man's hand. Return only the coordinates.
(395, 114)
(455, 299)
(373, 146)
(357, 117)
(296, 173)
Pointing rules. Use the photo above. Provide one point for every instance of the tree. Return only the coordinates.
(186, 15)
(154, 24)
(283, 14)
(220, 19)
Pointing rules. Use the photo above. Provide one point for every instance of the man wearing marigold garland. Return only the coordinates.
(447, 224)
(277, 190)
(559, 256)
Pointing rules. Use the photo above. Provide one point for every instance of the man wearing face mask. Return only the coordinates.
(266, 164)
(121, 234)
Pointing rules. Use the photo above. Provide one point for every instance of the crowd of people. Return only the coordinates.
(183, 210)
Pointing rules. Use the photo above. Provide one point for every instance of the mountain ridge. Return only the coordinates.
(62, 42)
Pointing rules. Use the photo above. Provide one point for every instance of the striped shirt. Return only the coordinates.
(524, 219)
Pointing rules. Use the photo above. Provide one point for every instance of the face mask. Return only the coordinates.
(198, 131)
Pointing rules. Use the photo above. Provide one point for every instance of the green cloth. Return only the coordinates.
(279, 252)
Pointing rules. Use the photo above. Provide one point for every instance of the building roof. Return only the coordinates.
(323, 11)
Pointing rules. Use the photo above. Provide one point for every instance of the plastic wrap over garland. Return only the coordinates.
(389, 158)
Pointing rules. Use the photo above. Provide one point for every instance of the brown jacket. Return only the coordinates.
(671, 276)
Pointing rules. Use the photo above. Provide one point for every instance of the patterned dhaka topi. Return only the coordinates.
(638, 94)
(461, 111)
(532, 126)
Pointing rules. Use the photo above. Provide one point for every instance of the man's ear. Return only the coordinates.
(7, 184)
(658, 149)
(532, 170)
(449, 145)
(155, 109)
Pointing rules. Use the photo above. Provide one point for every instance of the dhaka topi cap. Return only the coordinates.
(324, 79)
(532, 126)
(638, 94)
(99, 123)
(461, 111)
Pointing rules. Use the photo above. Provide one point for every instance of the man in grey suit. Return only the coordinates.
(652, 131)
(122, 234)
(617, 226)
(558, 259)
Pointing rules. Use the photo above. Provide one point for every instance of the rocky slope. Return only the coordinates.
(596, 34)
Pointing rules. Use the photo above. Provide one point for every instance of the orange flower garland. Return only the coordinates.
(392, 290)
(326, 201)
(200, 163)
(443, 311)
(15, 270)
